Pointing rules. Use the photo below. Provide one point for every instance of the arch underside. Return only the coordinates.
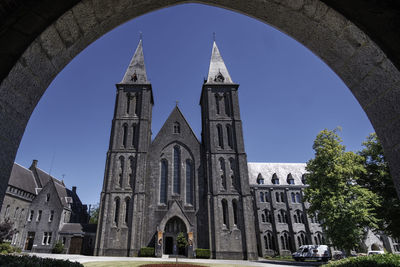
(356, 59)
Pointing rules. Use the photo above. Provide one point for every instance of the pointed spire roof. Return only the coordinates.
(136, 72)
(217, 73)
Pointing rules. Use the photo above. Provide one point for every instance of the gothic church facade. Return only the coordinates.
(155, 189)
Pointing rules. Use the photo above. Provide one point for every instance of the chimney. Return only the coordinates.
(34, 163)
(74, 189)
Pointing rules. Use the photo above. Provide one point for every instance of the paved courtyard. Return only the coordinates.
(260, 262)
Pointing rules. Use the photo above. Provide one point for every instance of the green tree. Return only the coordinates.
(344, 208)
(378, 180)
(94, 214)
(182, 242)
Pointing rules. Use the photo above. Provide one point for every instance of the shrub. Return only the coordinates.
(146, 252)
(6, 248)
(382, 260)
(58, 248)
(32, 261)
(202, 253)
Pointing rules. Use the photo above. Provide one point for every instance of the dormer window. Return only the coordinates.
(260, 179)
(290, 179)
(177, 128)
(219, 77)
(134, 77)
(275, 179)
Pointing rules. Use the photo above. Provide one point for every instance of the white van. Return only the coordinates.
(312, 252)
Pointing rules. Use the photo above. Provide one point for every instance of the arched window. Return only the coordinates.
(235, 212)
(293, 197)
(268, 216)
(136, 103)
(319, 236)
(177, 128)
(132, 166)
(116, 215)
(282, 216)
(295, 218)
(299, 215)
(298, 198)
(127, 203)
(261, 197)
(282, 197)
(223, 173)
(121, 170)
(220, 137)
(269, 241)
(266, 197)
(275, 179)
(128, 102)
(225, 213)
(177, 170)
(124, 134)
(227, 104)
(277, 197)
(189, 182)
(290, 179)
(233, 172)
(263, 217)
(134, 129)
(163, 181)
(315, 240)
(217, 103)
(230, 135)
(285, 241)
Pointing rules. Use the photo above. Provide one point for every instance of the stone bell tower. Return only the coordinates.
(230, 203)
(119, 231)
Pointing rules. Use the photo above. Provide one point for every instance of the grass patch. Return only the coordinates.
(139, 263)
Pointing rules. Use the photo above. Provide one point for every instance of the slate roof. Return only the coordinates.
(66, 196)
(217, 66)
(22, 178)
(282, 170)
(136, 71)
(44, 177)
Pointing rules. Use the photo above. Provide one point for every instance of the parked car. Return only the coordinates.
(375, 252)
(312, 252)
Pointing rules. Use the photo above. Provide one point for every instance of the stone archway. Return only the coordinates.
(357, 60)
(172, 229)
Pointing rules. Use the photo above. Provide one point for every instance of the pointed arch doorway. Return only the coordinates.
(173, 227)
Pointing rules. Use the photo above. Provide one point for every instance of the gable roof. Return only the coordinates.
(175, 116)
(22, 178)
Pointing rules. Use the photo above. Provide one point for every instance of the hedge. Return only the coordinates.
(202, 253)
(33, 261)
(146, 252)
(382, 260)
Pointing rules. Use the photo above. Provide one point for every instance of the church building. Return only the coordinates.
(174, 184)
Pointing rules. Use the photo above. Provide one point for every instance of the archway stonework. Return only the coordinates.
(356, 59)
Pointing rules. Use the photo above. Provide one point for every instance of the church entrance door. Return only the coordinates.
(173, 228)
(169, 245)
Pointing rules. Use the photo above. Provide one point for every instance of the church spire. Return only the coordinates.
(136, 72)
(217, 73)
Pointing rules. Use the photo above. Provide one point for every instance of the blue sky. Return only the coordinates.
(287, 94)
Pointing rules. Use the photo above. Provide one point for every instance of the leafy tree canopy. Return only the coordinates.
(344, 208)
(377, 179)
(94, 214)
